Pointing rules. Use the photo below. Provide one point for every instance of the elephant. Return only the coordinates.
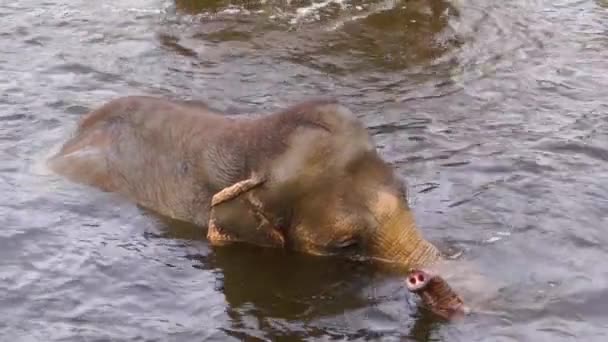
(307, 178)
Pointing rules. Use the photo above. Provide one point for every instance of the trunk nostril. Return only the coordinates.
(421, 278)
(413, 280)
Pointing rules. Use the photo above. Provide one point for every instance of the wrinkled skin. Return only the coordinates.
(307, 178)
(436, 294)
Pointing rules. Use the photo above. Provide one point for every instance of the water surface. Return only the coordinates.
(494, 112)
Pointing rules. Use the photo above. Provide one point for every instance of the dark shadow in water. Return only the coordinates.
(283, 292)
(365, 36)
(407, 35)
(281, 295)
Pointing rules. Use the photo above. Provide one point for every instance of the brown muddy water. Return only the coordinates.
(495, 112)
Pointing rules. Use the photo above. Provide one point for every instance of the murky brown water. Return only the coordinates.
(496, 113)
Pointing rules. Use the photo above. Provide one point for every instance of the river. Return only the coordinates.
(495, 112)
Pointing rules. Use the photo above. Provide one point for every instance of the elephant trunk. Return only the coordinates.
(400, 242)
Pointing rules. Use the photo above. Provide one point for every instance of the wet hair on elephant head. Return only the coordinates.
(307, 178)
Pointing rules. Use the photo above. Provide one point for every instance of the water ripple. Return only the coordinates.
(492, 112)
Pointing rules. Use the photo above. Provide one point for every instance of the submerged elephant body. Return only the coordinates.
(307, 178)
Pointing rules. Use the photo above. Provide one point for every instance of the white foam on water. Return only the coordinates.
(371, 9)
(142, 7)
(310, 13)
(499, 236)
(306, 12)
(235, 10)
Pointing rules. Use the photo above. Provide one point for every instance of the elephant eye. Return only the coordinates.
(349, 243)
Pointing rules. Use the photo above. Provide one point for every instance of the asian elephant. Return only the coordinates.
(307, 178)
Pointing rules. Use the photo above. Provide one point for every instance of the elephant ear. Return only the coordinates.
(237, 214)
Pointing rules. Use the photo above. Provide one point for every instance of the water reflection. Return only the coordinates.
(283, 294)
(272, 293)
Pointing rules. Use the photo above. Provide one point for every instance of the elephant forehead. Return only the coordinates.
(312, 153)
(331, 226)
(330, 213)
